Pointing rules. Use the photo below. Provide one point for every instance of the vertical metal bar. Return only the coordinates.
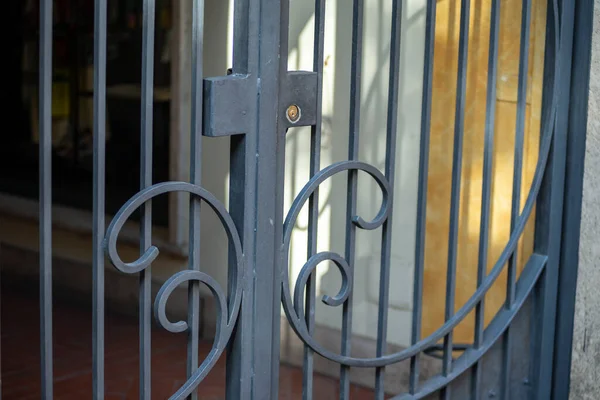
(256, 197)
(519, 142)
(517, 182)
(313, 202)
(271, 44)
(100, 27)
(422, 189)
(576, 144)
(548, 228)
(390, 168)
(459, 122)
(486, 190)
(240, 352)
(45, 184)
(145, 181)
(353, 150)
(195, 178)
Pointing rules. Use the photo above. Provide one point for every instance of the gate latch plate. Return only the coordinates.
(300, 90)
(229, 101)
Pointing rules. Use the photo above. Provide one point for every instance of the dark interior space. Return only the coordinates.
(72, 102)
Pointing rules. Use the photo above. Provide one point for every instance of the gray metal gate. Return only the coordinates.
(514, 357)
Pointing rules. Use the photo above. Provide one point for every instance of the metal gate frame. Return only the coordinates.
(580, 58)
(255, 105)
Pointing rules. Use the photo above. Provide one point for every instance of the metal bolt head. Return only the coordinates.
(293, 113)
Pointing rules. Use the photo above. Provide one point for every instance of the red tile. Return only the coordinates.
(73, 358)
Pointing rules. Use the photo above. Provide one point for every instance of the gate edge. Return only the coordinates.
(573, 196)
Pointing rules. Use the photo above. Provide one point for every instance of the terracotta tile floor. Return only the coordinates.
(73, 360)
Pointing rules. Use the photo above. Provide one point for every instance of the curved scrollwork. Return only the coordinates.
(224, 329)
(327, 173)
(294, 310)
(309, 267)
(226, 313)
(494, 330)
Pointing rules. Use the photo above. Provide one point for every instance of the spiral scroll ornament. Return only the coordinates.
(227, 312)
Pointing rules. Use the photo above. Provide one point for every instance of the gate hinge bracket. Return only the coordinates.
(227, 105)
(299, 98)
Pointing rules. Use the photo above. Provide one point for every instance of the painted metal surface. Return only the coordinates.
(254, 105)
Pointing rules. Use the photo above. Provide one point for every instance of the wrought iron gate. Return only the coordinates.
(255, 105)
